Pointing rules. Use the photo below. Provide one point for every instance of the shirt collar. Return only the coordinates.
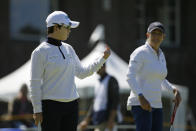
(53, 41)
(149, 46)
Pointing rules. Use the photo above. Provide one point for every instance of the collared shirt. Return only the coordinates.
(53, 71)
(147, 75)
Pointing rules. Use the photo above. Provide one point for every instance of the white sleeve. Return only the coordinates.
(135, 65)
(36, 75)
(166, 84)
(82, 71)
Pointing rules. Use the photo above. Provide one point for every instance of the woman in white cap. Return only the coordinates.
(146, 76)
(54, 64)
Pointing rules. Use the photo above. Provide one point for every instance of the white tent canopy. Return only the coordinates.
(10, 84)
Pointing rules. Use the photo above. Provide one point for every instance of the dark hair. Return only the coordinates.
(24, 88)
(51, 28)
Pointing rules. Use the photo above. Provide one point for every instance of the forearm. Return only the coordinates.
(131, 79)
(89, 114)
(84, 71)
(35, 95)
(87, 119)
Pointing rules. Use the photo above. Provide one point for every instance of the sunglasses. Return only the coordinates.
(64, 26)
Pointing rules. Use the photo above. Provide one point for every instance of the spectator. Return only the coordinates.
(103, 111)
(22, 105)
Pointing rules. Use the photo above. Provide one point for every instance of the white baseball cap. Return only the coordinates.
(60, 17)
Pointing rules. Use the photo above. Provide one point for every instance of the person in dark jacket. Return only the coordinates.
(103, 111)
(22, 106)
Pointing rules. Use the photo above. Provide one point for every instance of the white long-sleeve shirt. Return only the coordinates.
(146, 74)
(53, 77)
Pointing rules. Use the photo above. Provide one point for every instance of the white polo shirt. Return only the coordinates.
(146, 74)
(53, 77)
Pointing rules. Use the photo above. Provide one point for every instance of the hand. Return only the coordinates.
(144, 103)
(38, 118)
(106, 52)
(110, 125)
(83, 125)
(178, 98)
